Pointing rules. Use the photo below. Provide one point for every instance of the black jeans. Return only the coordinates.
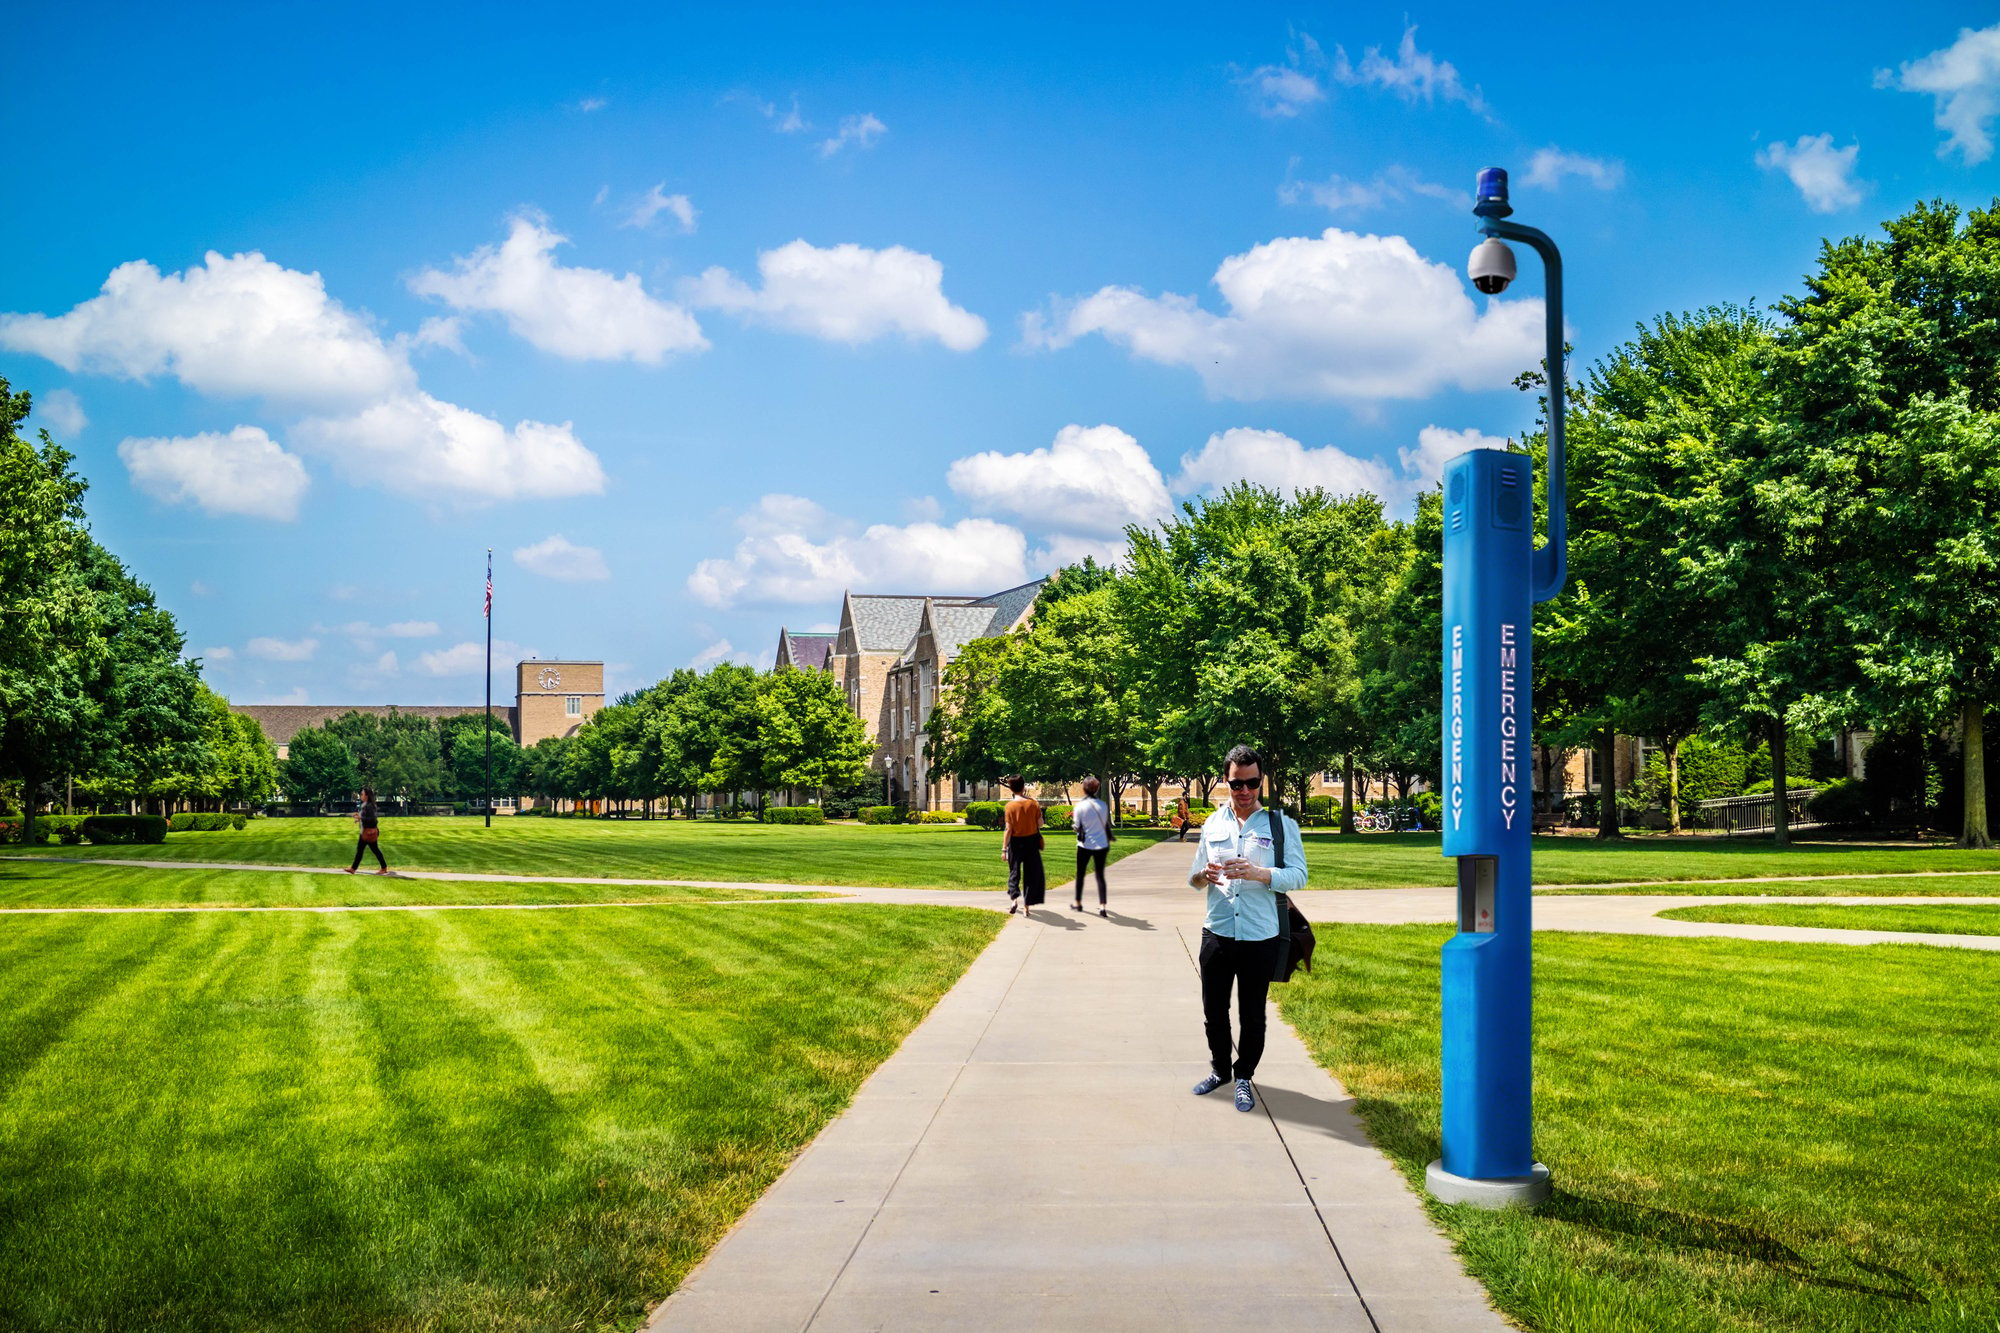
(362, 845)
(1084, 857)
(1247, 966)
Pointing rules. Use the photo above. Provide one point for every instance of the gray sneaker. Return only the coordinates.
(1245, 1099)
(1209, 1084)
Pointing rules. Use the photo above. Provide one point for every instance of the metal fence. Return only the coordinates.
(1749, 814)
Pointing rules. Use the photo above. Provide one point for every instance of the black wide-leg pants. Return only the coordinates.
(1245, 966)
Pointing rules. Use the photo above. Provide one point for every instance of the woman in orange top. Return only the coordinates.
(1021, 848)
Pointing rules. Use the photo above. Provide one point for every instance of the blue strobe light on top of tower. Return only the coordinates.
(1493, 575)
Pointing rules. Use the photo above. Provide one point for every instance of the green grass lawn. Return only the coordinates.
(96, 884)
(1399, 860)
(898, 855)
(1934, 918)
(1744, 1136)
(422, 1121)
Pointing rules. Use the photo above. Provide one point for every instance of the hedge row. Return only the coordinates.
(100, 829)
(883, 814)
(794, 814)
(189, 823)
(934, 816)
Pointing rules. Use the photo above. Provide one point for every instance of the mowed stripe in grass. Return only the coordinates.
(1744, 1135)
(107, 884)
(409, 1121)
(889, 856)
(1930, 918)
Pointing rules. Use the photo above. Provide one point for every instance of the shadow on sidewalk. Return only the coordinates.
(1335, 1118)
(1050, 917)
(1130, 922)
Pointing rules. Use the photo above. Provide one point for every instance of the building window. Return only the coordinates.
(573, 705)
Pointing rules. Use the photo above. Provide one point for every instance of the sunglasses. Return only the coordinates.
(1245, 784)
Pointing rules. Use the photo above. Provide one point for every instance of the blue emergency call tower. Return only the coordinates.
(1493, 575)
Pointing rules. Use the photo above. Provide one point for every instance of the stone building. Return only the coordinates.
(555, 698)
(889, 655)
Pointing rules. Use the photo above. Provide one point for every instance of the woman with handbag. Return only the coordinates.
(371, 834)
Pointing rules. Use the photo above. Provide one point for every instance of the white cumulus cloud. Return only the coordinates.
(62, 412)
(557, 557)
(844, 293)
(1963, 80)
(1424, 462)
(719, 651)
(1413, 75)
(282, 650)
(237, 326)
(422, 449)
(1271, 458)
(222, 654)
(794, 551)
(1093, 480)
(469, 658)
(657, 201)
(584, 314)
(1339, 315)
(1548, 167)
(243, 472)
(1282, 91)
(855, 132)
(1823, 174)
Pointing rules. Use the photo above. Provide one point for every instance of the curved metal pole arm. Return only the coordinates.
(1551, 566)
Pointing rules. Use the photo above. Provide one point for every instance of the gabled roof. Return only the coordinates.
(883, 623)
(805, 650)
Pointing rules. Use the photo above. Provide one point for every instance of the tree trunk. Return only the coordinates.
(31, 782)
(1673, 784)
(1973, 716)
(1607, 783)
(1347, 793)
(1781, 814)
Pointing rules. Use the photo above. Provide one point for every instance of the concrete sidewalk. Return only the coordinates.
(1032, 1159)
(1637, 914)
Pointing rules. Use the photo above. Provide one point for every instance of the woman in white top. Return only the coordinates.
(1093, 842)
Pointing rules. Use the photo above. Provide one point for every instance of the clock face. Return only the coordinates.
(551, 678)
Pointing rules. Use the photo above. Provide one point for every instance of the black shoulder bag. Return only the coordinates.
(1295, 933)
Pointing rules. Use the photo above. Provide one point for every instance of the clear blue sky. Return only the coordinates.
(827, 280)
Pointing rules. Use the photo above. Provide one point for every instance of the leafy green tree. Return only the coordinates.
(1889, 374)
(157, 717)
(462, 747)
(1070, 712)
(967, 734)
(798, 732)
(54, 662)
(319, 767)
(398, 754)
(1402, 685)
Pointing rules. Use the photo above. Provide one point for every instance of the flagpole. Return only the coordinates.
(489, 687)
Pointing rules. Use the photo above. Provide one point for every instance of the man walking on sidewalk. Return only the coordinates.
(1239, 938)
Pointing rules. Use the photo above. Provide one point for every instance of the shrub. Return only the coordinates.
(1131, 820)
(1319, 811)
(1841, 801)
(985, 814)
(180, 823)
(1430, 806)
(883, 814)
(934, 816)
(116, 830)
(70, 834)
(1060, 817)
(63, 828)
(238, 821)
(794, 814)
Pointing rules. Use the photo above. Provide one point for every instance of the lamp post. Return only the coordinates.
(1493, 574)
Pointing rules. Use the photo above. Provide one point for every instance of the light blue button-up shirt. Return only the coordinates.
(1243, 909)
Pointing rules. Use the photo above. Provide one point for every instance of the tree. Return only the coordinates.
(398, 754)
(54, 662)
(967, 734)
(1070, 713)
(157, 716)
(319, 767)
(462, 748)
(799, 733)
(1891, 447)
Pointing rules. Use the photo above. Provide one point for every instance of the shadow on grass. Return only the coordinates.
(1692, 1231)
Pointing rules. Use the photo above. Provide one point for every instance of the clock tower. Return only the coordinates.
(553, 698)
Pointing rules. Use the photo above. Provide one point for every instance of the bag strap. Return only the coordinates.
(1275, 817)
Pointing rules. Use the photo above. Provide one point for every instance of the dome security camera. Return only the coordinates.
(1491, 266)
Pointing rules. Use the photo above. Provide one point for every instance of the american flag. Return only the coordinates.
(489, 588)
